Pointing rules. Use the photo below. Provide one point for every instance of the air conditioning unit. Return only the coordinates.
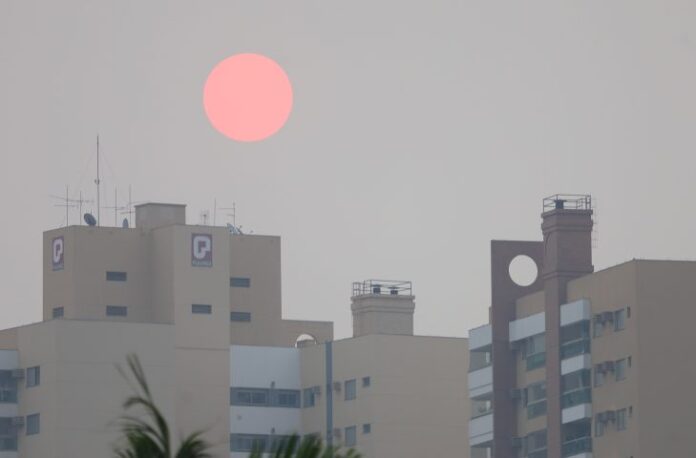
(337, 386)
(337, 433)
(18, 374)
(18, 422)
(515, 394)
(516, 442)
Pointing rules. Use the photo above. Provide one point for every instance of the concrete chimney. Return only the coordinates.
(382, 307)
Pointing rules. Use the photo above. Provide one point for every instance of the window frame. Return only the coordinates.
(240, 317)
(34, 379)
(201, 309)
(240, 282)
(115, 310)
(117, 276)
(352, 393)
(350, 432)
(33, 420)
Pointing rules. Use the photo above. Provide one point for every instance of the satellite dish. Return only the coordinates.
(90, 219)
(234, 230)
(124, 224)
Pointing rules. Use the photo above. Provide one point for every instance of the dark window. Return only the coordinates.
(366, 382)
(8, 434)
(33, 424)
(116, 310)
(367, 428)
(309, 397)
(350, 390)
(240, 316)
(8, 387)
(240, 282)
(350, 436)
(58, 312)
(33, 376)
(116, 276)
(203, 309)
(536, 399)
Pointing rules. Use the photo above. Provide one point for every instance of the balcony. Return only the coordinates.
(527, 327)
(480, 338)
(576, 412)
(481, 430)
(576, 363)
(480, 382)
(537, 454)
(575, 311)
(578, 448)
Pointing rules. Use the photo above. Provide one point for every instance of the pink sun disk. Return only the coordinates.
(247, 97)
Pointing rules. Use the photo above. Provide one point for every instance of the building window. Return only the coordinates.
(33, 376)
(309, 397)
(240, 316)
(598, 377)
(350, 436)
(33, 424)
(201, 309)
(536, 399)
(116, 310)
(116, 276)
(366, 382)
(535, 351)
(249, 396)
(240, 282)
(575, 388)
(286, 398)
(620, 369)
(599, 426)
(619, 320)
(535, 444)
(248, 442)
(350, 390)
(597, 326)
(8, 435)
(367, 428)
(58, 312)
(8, 388)
(621, 420)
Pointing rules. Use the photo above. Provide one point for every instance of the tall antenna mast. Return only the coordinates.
(97, 181)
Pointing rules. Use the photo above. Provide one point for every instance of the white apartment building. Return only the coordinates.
(202, 309)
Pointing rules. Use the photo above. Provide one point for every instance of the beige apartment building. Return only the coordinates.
(579, 363)
(201, 306)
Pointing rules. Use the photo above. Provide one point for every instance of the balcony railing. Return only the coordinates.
(577, 347)
(573, 398)
(574, 447)
(536, 410)
(538, 454)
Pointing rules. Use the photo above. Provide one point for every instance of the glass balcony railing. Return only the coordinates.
(536, 361)
(577, 347)
(537, 454)
(574, 447)
(577, 397)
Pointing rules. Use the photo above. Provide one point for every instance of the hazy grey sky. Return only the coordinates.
(421, 130)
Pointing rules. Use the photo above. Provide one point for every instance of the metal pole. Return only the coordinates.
(97, 183)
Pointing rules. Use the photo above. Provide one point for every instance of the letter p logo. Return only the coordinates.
(57, 253)
(202, 250)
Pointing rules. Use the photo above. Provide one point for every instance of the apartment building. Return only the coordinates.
(201, 306)
(583, 364)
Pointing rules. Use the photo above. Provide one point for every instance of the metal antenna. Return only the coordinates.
(233, 215)
(214, 211)
(97, 181)
(116, 208)
(69, 203)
